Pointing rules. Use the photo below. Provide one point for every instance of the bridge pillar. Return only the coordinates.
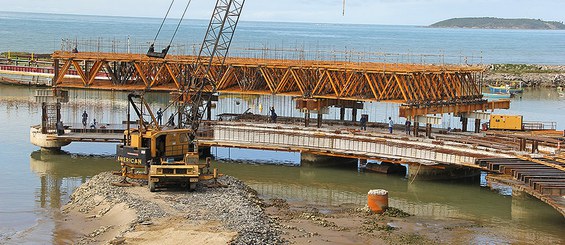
(309, 159)
(45, 135)
(477, 125)
(478, 116)
(523, 144)
(209, 110)
(440, 172)
(465, 122)
(416, 127)
(362, 164)
(307, 118)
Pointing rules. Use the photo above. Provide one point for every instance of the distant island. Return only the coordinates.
(498, 23)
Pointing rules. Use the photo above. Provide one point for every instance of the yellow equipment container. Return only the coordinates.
(506, 122)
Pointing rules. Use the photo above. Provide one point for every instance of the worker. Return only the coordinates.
(160, 116)
(363, 122)
(390, 124)
(93, 125)
(60, 128)
(84, 118)
(273, 115)
(407, 126)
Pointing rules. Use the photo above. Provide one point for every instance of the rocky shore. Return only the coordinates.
(548, 76)
(101, 213)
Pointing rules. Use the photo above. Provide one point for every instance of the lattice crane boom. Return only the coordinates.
(215, 47)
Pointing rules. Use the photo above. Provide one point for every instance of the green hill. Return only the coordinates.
(497, 23)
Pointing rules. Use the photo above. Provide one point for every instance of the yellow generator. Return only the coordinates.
(506, 122)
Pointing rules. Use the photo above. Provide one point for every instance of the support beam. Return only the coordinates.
(307, 118)
(209, 110)
(416, 124)
(477, 126)
(412, 111)
(465, 122)
(430, 119)
(476, 115)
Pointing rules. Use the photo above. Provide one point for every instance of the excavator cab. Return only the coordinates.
(151, 52)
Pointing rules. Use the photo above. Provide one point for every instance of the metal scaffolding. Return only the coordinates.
(422, 89)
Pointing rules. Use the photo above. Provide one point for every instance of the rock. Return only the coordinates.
(236, 206)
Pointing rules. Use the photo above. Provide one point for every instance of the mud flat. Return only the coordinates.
(100, 213)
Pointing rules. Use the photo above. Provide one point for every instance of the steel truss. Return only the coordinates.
(422, 89)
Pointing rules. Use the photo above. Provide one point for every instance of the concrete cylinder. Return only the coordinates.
(378, 201)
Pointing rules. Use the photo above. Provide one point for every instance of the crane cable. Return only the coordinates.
(180, 21)
(163, 22)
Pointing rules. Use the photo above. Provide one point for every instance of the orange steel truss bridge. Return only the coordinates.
(421, 89)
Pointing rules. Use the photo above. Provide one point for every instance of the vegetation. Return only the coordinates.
(519, 69)
(498, 23)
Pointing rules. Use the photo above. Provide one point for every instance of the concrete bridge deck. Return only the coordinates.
(547, 180)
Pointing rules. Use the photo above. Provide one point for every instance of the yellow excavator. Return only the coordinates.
(168, 154)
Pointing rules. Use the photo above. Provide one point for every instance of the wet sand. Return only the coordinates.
(100, 213)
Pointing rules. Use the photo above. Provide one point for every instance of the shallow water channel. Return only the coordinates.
(35, 185)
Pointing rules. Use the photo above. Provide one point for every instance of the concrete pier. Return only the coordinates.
(309, 159)
(440, 172)
(47, 142)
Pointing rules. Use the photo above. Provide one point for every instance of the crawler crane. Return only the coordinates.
(167, 154)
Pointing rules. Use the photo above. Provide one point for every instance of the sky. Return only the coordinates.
(387, 12)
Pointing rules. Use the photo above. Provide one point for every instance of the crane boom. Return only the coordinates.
(215, 47)
(165, 155)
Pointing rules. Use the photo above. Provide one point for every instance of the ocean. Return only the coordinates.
(45, 33)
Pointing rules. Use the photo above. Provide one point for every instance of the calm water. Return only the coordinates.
(43, 33)
(36, 185)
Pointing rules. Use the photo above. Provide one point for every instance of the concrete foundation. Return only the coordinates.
(307, 159)
(440, 172)
(386, 168)
(47, 142)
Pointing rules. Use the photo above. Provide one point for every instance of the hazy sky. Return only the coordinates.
(403, 12)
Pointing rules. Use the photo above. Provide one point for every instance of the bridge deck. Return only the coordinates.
(543, 178)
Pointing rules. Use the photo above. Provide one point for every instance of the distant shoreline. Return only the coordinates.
(499, 24)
